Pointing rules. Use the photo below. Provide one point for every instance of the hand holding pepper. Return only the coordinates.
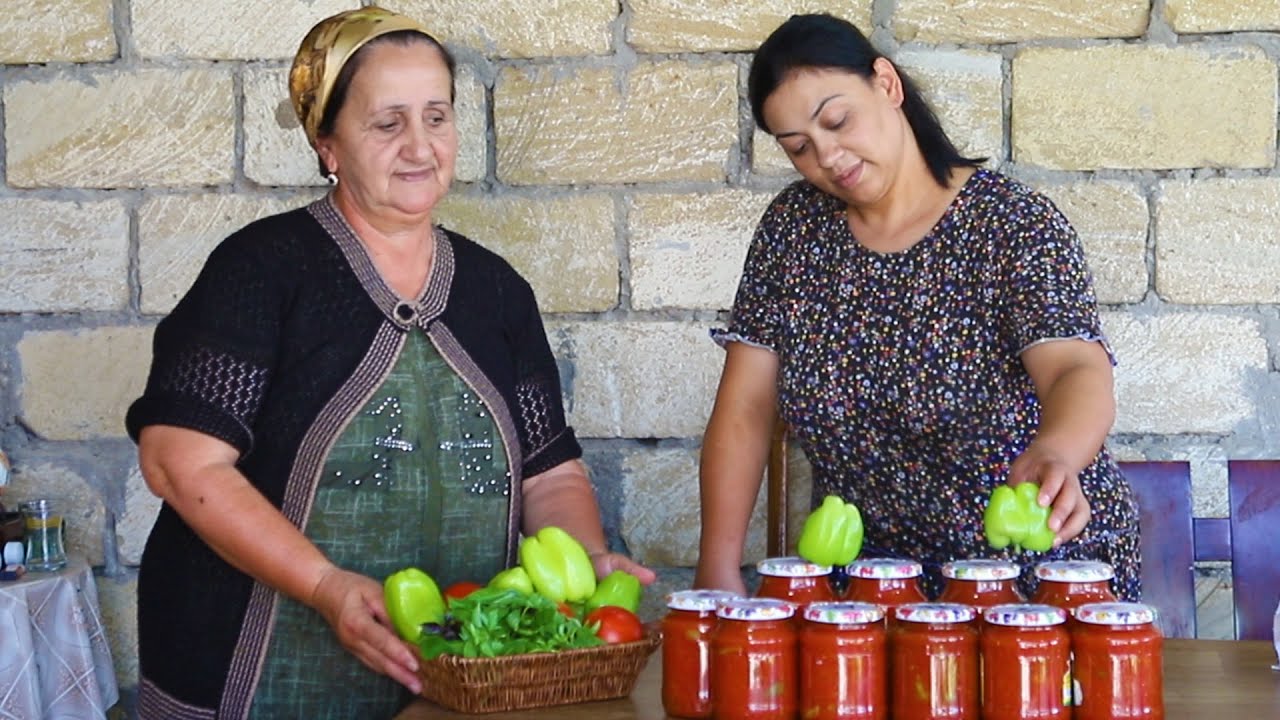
(1059, 486)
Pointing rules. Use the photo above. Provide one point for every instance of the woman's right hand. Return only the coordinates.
(353, 606)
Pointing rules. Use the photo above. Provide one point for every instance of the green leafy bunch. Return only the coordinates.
(495, 621)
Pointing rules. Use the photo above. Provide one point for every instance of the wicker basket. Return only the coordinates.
(514, 682)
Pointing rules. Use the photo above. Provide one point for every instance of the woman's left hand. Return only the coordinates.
(607, 562)
(1059, 488)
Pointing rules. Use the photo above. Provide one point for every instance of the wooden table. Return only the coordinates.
(1202, 679)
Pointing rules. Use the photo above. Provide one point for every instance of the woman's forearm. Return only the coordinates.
(563, 497)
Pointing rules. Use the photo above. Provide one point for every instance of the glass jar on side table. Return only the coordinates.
(754, 661)
(686, 651)
(1026, 658)
(934, 662)
(43, 528)
(843, 662)
(1119, 672)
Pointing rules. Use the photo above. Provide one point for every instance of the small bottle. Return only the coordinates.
(686, 651)
(981, 583)
(887, 582)
(754, 660)
(794, 579)
(843, 664)
(1028, 650)
(43, 536)
(935, 670)
(1118, 664)
(1068, 584)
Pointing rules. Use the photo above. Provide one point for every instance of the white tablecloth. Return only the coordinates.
(54, 659)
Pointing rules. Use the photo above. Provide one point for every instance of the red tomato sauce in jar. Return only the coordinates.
(843, 662)
(887, 582)
(794, 579)
(1118, 663)
(1068, 584)
(754, 660)
(686, 651)
(934, 662)
(1026, 657)
(981, 583)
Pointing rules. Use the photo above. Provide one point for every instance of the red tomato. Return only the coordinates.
(460, 589)
(616, 624)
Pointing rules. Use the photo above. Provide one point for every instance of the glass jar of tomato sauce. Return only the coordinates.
(1028, 652)
(754, 660)
(843, 664)
(686, 651)
(794, 579)
(1118, 662)
(1068, 584)
(888, 582)
(981, 583)
(934, 662)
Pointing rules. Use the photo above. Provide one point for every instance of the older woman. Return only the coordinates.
(346, 389)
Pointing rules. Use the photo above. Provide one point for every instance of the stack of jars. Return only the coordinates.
(880, 651)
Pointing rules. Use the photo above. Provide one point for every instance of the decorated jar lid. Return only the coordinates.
(698, 600)
(935, 612)
(843, 613)
(885, 569)
(1075, 571)
(1025, 615)
(1117, 613)
(755, 609)
(791, 567)
(980, 570)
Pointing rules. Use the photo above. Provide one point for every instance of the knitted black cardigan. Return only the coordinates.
(278, 343)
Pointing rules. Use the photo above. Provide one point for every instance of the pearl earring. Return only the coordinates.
(332, 178)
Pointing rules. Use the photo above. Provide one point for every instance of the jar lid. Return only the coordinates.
(981, 570)
(791, 567)
(1075, 571)
(885, 569)
(935, 612)
(755, 609)
(1025, 615)
(1118, 613)
(698, 600)
(843, 613)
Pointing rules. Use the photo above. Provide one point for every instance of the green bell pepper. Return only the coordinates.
(619, 588)
(514, 578)
(1014, 516)
(832, 534)
(558, 565)
(413, 600)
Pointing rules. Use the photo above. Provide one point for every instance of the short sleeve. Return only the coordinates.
(212, 356)
(1050, 291)
(756, 317)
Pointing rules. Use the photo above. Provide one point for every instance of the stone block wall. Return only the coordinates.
(608, 152)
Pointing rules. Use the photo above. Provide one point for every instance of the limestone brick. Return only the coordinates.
(118, 600)
(226, 29)
(1112, 220)
(687, 250)
(564, 246)
(637, 379)
(500, 28)
(63, 256)
(58, 31)
(1212, 16)
(1207, 357)
(77, 385)
(664, 26)
(1218, 241)
(660, 121)
(276, 149)
(81, 504)
(965, 88)
(768, 158)
(134, 524)
(177, 232)
(139, 128)
(1125, 106)
(1003, 21)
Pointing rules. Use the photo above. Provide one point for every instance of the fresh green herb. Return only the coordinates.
(496, 621)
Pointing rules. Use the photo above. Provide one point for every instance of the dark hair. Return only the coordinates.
(824, 41)
(338, 96)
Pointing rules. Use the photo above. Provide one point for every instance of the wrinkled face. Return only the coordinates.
(395, 140)
(843, 132)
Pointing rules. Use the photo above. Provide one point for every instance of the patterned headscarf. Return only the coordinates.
(328, 47)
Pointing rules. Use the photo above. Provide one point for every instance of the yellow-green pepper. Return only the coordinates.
(619, 588)
(1014, 516)
(832, 534)
(514, 578)
(413, 599)
(558, 565)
